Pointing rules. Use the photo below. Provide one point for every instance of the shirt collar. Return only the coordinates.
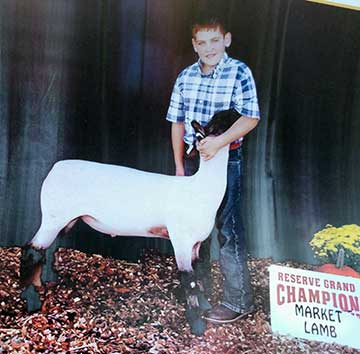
(214, 74)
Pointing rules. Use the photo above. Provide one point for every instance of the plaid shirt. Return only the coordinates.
(199, 96)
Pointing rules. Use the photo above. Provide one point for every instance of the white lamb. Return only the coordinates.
(118, 200)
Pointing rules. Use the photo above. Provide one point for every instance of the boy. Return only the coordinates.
(215, 83)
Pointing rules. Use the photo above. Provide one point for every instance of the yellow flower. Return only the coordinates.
(327, 242)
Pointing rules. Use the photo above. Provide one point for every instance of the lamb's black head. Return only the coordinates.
(219, 123)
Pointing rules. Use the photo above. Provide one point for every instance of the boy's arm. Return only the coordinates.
(178, 145)
(209, 146)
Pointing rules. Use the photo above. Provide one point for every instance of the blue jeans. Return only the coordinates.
(238, 294)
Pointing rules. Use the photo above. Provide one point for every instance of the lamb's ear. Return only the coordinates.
(199, 130)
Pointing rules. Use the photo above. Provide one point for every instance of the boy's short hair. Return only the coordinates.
(208, 24)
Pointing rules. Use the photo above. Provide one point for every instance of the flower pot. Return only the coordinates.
(333, 269)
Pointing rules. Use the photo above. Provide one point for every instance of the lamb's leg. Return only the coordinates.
(193, 311)
(31, 263)
(48, 270)
(191, 288)
(33, 259)
(202, 269)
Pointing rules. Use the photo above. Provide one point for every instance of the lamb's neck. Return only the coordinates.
(213, 173)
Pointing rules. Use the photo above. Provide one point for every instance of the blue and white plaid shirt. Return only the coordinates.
(199, 96)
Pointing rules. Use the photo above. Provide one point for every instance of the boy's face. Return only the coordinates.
(210, 45)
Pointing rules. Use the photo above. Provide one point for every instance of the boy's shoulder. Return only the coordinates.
(236, 64)
(190, 70)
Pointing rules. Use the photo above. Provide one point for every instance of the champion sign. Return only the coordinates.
(315, 306)
(347, 4)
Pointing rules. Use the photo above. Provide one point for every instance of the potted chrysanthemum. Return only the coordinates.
(338, 249)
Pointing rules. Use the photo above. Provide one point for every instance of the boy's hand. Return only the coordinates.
(208, 147)
(179, 171)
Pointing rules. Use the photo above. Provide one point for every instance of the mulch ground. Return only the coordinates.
(103, 305)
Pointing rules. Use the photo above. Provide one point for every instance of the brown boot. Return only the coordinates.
(221, 314)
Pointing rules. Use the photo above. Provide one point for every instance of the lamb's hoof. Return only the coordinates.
(198, 327)
(197, 324)
(32, 298)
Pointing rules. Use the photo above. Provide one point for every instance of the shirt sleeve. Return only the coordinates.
(176, 112)
(245, 97)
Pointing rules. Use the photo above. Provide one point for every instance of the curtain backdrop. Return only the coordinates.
(91, 79)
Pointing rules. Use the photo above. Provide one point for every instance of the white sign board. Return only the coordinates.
(348, 4)
(315, 306)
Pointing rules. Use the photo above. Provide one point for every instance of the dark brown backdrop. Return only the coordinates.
(92, 79)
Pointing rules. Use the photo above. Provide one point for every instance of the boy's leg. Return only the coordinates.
(237, 297)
